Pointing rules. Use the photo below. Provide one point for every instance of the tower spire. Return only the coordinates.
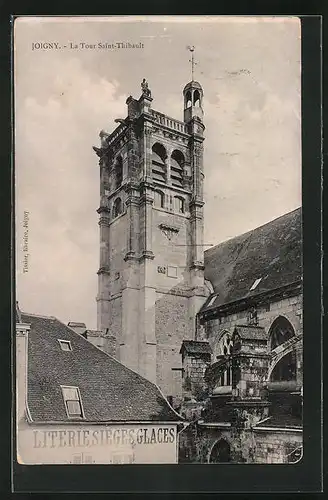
(191, 49)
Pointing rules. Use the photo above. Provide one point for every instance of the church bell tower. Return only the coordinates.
(151, 274)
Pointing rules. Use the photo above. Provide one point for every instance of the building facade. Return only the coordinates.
(249, 408)
(77, 405)
(151, 274)
(219, 331)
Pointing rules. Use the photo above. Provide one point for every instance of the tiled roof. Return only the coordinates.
(109, 391)
(196, 347)
(251, 332)
(272, 252)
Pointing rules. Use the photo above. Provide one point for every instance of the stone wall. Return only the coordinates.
(275, 447)
(197, 441)
(246, 446)
(290, 308)
(194, 367)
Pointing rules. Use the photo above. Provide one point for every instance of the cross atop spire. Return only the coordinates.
(191, 49)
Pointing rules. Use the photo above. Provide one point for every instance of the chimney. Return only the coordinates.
(77, 327)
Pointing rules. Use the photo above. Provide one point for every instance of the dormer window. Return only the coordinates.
(72, 400)
(65, 345)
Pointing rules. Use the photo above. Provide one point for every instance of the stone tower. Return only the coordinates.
(151, 274)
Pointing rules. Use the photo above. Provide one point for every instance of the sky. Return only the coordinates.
(250, 71)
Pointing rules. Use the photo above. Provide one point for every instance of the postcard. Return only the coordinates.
(159, 314)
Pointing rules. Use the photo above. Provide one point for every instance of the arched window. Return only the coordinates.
(188, 99)
(158, 166)
(224, 345)
(179, 205)
(281, 330)
(159, 199)
(117, 207)
(118, 171)
(285, 369)
(226, 375)
(196, 98)
(221, 452)
(177, 164)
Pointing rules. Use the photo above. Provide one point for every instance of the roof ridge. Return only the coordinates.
(193, 340)
(38, 315)
(253, 230)
(250, 326)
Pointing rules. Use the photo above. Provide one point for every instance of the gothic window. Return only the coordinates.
(229, 377)
(224, 346)
(177, 164)
(118, 172)
(196, 98)
(159, 199)
(179, 205)
(221, 452)
(285, 369)
(226, 376)
(281, 330)
(158, 162)
(117, 208)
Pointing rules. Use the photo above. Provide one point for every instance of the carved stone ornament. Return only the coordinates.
(145, 89)
(161, 269)
(168, 230)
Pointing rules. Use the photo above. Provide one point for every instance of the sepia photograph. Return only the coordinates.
(158, 231)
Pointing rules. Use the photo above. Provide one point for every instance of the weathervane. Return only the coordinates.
(191, 49)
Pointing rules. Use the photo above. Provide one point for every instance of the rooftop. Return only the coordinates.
(255, 262)
(193, 84)
(196, 347)
(109, 390)
(285, 421)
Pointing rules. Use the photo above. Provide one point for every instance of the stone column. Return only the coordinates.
(103, 273)
(146, 221)
(133, 154)
(132, 204)
(104, 257)
(147, 152)
(147, 294)
(129, 344)
(199, 292)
